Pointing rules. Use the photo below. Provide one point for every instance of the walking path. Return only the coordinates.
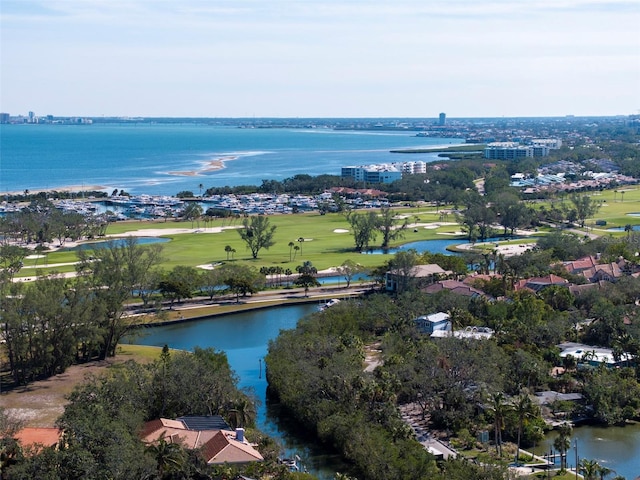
(412, 415)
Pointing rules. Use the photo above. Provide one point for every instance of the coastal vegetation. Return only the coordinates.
(319, 372)
(105, 414)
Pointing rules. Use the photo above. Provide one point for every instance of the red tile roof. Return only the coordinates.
(34, 437)
(216, 446)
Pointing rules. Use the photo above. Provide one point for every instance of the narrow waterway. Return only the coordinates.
(245, 336)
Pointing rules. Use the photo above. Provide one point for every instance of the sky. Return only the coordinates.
(312, 58)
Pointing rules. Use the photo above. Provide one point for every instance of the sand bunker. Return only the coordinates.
(340, 230)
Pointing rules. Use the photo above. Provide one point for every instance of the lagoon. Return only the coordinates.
(118, 242)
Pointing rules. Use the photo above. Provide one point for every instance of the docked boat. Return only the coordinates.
(328, 304)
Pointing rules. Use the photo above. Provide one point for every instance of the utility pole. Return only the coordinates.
(575, 445)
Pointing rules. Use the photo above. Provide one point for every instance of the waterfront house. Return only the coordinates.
(423, 274)
(34, 439)
(455, 287)
(216, 445)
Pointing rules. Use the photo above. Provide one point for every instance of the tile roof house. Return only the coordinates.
(581, 264)
(38, 437)
(423, 273)
(579, 289)
(456, 287)
(589, 268)
(216, 446)
(538, 283)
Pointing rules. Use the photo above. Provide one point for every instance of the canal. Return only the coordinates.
(244, 336)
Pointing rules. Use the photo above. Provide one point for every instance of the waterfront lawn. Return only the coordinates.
(325, 242)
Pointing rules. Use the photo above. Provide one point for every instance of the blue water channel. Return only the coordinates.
(244, 336)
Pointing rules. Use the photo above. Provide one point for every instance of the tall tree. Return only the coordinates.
(403, 268)
(524, 408)
(242, 279)
(113, 272)
(193, 212)
(499, 406)
(257, 234)
(307, 277)
(349, 269)
(389, 227)
(562, 444)
(585, 206)
(364, 228)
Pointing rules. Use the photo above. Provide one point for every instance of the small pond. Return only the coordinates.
(434, 246)
(635, 228)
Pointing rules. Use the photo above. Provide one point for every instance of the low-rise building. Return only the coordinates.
(216, 445)
(424, 274)
(435, 321)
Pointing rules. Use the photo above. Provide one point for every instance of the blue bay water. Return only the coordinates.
(166, 159)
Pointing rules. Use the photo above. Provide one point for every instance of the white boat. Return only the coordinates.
(328, 303)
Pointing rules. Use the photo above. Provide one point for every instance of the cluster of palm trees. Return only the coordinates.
(275, 274)
(592, 470)
(294, 249)
(524, 408)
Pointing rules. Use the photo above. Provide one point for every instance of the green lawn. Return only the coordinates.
(322, 245)
(325, 242)
(614, 208)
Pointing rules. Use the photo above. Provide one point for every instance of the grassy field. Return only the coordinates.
(614, 209)
(326, 242)
(40, 403)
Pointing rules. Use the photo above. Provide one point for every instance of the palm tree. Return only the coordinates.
(628, 228)
(200, 187)
(291, 245)
(243, 413)
(301, 241)
(562, 444)
(604, 471)
(168, 456)
(296, 249)
(307, 277)
(499, 407)
(589, 468)
(523, 407)
(622, 195)
(228, 249)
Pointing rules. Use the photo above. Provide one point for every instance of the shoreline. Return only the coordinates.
(66, 189)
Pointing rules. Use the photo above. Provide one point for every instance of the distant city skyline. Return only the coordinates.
(320, 59)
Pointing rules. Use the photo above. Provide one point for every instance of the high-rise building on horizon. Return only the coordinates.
(442, 120)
